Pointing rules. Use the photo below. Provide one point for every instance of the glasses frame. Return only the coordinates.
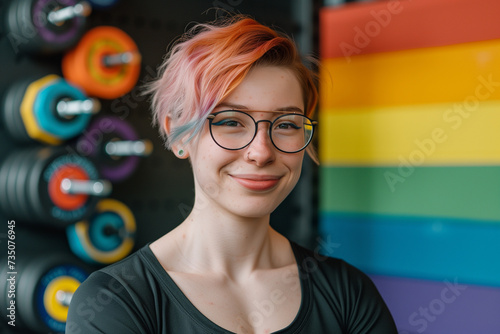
(269, 132)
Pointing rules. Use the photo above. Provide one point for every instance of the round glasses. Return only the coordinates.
(234, 130)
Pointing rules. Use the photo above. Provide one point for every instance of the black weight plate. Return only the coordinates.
(26, 213)
(37, 272)
(12, 113)
(40, 35)
(4, 196)
(48, 160)
(9, 189)
(11, 184)
(12, 30)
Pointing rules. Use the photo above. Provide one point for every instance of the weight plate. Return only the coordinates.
(56, 309)
(28, 114)
(102, 4)
(61, 199)
(13, 123)
(84, 65)
(48, 161)
(89, 240)
(11, 184)
(4, 179)
(36, 282)
(109, 128)
(4, 288)
(26, 212)
(46, 115)
(32, 32)
(104, 231)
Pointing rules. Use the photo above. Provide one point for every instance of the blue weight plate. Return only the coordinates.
(98, 226)
(46, 115)
(38, 272)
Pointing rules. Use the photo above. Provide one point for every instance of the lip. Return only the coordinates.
(257, 182)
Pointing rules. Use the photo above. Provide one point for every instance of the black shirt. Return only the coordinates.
(136, 295)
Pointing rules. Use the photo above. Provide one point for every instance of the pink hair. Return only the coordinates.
(208, 62)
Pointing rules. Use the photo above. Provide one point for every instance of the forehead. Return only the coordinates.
(269, 88)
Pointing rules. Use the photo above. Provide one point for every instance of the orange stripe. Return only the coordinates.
(393, 25)
(453, 73)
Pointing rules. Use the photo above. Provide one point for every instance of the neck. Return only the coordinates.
(214, 241)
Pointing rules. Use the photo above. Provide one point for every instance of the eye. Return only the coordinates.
(286, 125)
(227, 122)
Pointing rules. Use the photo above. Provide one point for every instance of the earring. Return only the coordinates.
(180, 152)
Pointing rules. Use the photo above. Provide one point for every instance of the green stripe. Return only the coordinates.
(457, 192)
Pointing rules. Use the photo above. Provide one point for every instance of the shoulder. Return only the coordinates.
(314, 262)
(116, 296)
(346, 290)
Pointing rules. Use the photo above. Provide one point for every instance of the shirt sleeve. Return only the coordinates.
(368, 311)
(102, 304)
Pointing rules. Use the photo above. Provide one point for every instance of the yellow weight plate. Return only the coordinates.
(419, 76)
(27, 113)
(439, 134)
(52, 305)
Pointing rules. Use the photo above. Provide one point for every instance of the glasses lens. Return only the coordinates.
(232, 129)
(291, 133)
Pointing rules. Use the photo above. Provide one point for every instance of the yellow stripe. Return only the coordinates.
(428, 75)
(439, 134)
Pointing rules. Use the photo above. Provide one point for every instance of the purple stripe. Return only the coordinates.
(440, 307)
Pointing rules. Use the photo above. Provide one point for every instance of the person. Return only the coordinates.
(236, 100)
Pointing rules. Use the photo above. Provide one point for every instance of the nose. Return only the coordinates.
(261, 150)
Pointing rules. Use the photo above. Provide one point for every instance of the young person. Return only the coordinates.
(236, 100)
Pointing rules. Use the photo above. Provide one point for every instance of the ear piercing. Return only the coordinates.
(180, 152)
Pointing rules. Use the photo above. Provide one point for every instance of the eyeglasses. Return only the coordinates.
(234, 130)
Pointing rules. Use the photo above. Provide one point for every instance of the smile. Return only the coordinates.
(256, 182)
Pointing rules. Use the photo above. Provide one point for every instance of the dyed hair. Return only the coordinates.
(208, 62)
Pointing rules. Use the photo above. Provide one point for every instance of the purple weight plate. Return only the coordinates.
(97, 135)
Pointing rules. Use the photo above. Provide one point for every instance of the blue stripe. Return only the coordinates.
(415, 247)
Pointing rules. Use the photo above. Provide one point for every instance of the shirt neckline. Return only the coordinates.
(184, 303)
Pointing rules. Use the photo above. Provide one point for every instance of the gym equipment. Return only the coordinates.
(41, 282)
(48, 110)
(117, 148)
(102, 4)
(46, 185)
(45, 26)
(105, 237)
(105, 63)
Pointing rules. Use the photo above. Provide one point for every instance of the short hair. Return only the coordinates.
(209, 61)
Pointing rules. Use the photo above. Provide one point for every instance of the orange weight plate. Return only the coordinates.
(61, 199)
(85, 64)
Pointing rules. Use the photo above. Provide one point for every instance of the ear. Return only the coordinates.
(179, 150)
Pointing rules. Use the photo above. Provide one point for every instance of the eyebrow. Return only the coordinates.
(242, 107)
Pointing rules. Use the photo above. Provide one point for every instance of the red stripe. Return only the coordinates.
(393, 25)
